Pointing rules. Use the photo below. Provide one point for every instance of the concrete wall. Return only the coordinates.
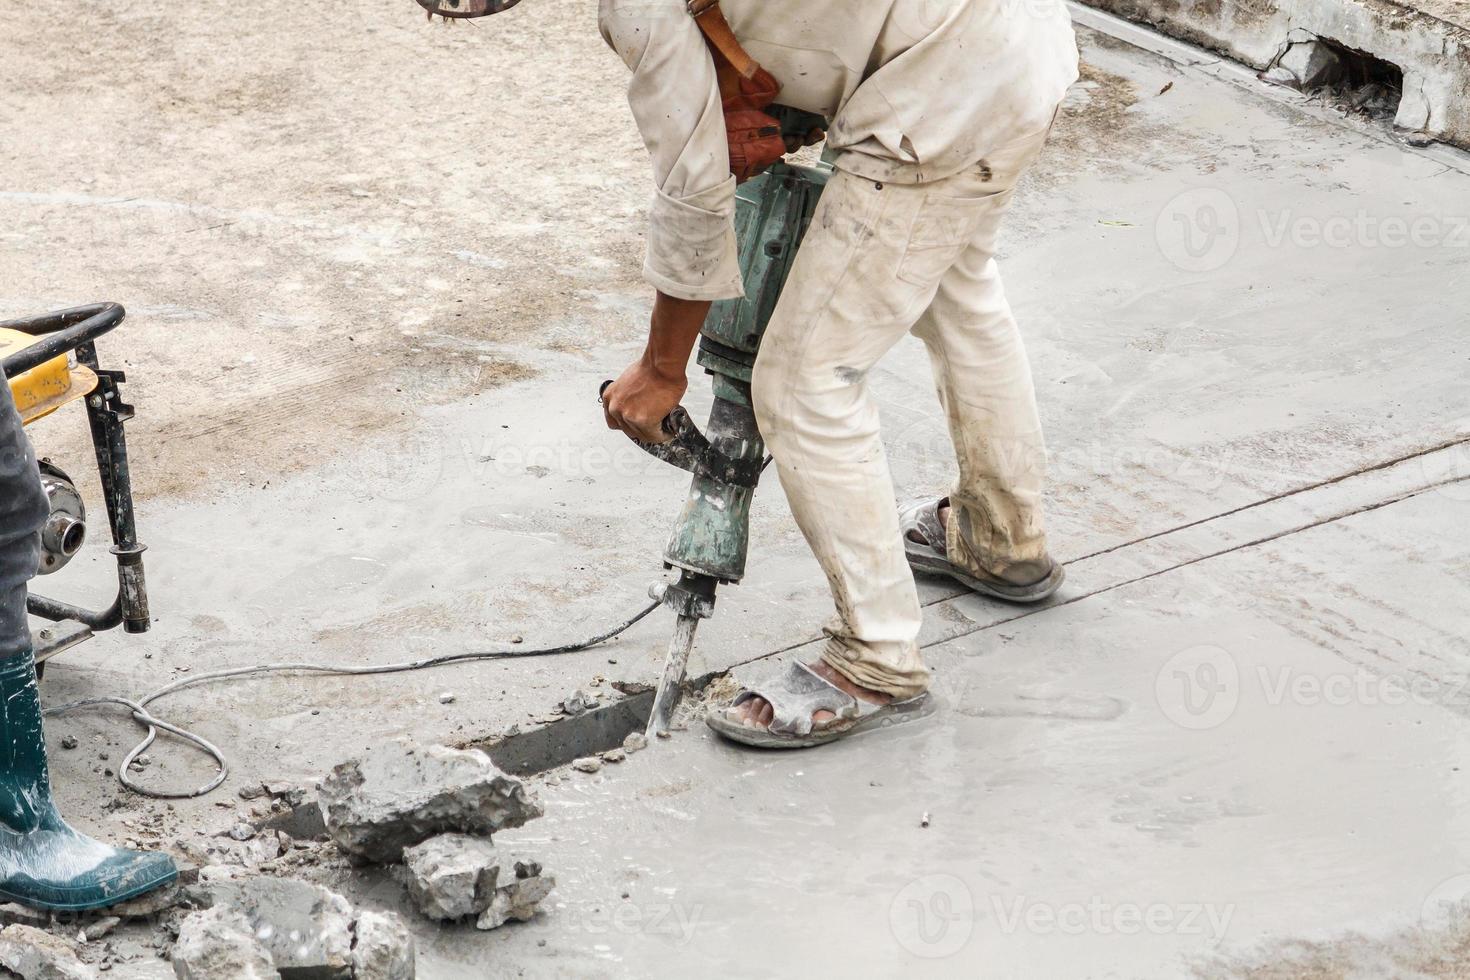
(1429, 40)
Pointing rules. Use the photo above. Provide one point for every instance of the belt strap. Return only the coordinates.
(717, 32)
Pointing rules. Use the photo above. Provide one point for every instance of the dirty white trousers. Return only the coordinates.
(881, 260)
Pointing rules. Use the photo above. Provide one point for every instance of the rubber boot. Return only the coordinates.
(43, 862)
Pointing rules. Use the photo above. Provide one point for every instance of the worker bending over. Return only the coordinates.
(937, 108)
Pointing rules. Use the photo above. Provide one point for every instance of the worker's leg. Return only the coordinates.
(43, 862)
(23, 508)
(995, 525)
(869, 266)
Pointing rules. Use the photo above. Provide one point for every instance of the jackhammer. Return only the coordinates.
(711, 536)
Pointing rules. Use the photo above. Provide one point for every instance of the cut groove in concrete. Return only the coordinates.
(1434, 461)
(1365, 508)
(561, 742)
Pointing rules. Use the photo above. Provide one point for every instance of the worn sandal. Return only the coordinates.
(921, 527)
(798, 693)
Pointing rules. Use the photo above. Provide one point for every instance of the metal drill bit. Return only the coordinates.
(671, 684)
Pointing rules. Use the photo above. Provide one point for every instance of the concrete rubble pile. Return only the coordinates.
(35, 954)
(252, 926)
(435, 809)
(429, 812)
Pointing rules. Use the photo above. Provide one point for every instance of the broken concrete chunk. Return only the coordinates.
(452, 876)
(383, 948)
(150, 904)
(590, 763)
(614, 755)
(302, 822)
(290, 794)
(33, 954)
(518, 901)
(219, 943)
(306, 929)
(398, 795)
(635, 742)
(579, 703)
(13, 914)
(100, 929)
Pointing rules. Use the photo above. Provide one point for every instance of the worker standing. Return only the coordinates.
(44, 863)
(936, 109)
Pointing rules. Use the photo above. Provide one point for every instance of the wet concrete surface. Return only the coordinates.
(1204, 338)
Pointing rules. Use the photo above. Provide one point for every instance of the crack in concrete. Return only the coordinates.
(1460, 440)
(1365, 508)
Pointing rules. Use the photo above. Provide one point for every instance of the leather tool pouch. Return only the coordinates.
(746, 91)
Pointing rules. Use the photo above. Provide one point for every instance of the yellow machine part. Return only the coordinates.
(44, 389)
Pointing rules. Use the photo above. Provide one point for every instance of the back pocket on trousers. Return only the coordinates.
(942, 230)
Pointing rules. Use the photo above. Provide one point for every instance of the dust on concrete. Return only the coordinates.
(1409, 952)
(315, 233)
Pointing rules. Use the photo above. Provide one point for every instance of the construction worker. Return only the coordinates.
(43, 862)
(936, 109)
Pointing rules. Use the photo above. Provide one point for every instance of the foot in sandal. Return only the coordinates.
(925, 537)
(809, 705)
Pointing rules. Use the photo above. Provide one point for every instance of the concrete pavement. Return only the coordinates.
(1238, 726)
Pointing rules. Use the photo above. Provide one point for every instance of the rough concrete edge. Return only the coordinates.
(1216, 64)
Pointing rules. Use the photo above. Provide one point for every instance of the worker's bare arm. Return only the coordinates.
(652, 385)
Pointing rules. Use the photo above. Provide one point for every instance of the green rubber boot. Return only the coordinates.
(43, 862)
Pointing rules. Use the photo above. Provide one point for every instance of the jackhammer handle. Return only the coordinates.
(674, 424)
(689, 449)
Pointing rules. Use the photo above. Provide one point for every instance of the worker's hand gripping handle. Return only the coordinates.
(688, 449)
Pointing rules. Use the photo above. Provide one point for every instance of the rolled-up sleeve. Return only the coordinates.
(676, 103)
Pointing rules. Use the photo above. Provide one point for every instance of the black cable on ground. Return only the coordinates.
(154, 724)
